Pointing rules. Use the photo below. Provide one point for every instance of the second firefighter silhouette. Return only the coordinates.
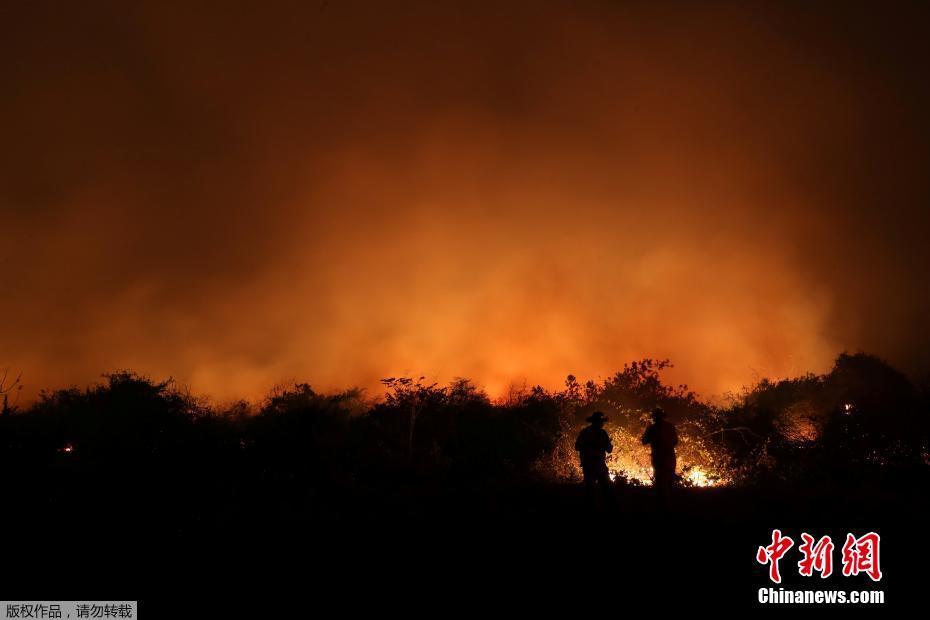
(593, 446)
(663, 438)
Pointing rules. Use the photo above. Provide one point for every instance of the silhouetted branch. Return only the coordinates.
(4, 389)
(737, 429)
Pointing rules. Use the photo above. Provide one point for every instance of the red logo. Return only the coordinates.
(817, 557)
(773, 553)
(860, 555)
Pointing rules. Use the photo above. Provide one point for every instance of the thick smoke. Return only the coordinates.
(338, 192)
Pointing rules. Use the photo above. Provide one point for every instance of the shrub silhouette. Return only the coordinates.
(157, 449)
(863, 417)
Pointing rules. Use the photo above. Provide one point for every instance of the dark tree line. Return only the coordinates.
(156, 446)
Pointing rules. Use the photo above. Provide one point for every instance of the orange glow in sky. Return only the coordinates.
(504, 194)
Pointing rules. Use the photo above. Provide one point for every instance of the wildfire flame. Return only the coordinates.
(698, 465)
(699, 478)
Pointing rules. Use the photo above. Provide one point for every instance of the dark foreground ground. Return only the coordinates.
(280, 550)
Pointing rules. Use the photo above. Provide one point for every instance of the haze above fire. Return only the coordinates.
(340, 192)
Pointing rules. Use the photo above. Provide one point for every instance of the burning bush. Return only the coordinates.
(626, 398)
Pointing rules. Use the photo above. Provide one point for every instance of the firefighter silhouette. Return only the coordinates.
(662, 437)
(593, 446)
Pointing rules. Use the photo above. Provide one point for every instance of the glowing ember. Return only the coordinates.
(699, 478)
(848, 408)
(67, 448)
(700, 463)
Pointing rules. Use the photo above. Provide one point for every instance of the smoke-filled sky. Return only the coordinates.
(338, 192)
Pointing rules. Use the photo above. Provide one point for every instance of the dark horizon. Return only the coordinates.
(20, 397)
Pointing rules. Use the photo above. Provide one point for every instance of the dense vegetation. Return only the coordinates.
(862, 419)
